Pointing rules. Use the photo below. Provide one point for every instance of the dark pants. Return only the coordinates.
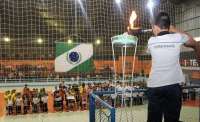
(18, 109)
(10, 110)
(26, 109)
(35, 108)
(164, 101)
(44, 107)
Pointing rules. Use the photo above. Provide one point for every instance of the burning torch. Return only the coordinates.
(132, 30)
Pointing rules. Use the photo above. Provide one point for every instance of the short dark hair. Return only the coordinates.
(162, 20)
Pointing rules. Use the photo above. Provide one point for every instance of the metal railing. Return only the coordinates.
(100, 111)
(190, 111)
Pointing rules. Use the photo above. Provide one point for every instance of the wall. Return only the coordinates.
(189, 19)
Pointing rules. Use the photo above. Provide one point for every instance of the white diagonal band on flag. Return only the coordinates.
(62, 63)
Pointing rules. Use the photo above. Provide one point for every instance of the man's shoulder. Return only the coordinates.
(172, 37)
(151, 40)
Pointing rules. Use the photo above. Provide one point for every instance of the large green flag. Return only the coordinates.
(74, 57)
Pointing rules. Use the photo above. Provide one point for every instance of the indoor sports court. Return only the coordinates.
(99, 61)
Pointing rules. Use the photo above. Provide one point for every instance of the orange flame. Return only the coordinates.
(132, 19)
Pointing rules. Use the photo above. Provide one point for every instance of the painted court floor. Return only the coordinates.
(188, 114)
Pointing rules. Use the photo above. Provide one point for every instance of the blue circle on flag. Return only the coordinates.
(73, 57)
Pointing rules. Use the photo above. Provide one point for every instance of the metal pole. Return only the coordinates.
(122, 101)
(133, 67)
(122, 65)
(133, 70)
(75, 17)
(92, 109)
(113, 115)
(199, 105)
(115, 74)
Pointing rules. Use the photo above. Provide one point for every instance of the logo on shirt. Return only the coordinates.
(165, 46)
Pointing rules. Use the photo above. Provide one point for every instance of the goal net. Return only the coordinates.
(29, 30)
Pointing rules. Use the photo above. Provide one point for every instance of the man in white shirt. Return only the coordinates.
(164, 92)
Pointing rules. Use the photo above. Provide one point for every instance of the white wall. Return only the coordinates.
(189, 19)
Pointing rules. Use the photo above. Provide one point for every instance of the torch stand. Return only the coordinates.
(122, 42)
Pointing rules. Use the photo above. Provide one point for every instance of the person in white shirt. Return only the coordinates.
(164, 92)
(10, 105)
(35, 103)
(18, 103)
(44, 100)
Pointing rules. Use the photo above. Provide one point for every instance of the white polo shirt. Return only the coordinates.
(165, 52)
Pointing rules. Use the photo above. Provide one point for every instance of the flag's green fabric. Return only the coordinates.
(74, 57)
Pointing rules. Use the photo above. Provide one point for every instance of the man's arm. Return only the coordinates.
(190, 43)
